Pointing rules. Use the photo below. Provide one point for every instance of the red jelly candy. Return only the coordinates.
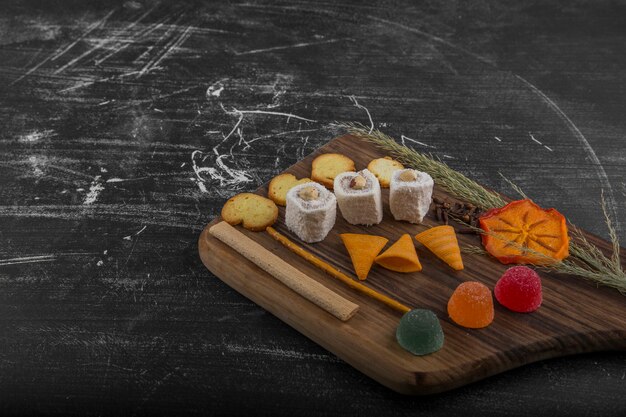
(519, 289)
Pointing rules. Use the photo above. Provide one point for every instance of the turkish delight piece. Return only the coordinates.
(311, 211)
(410, 194)
(358, 196)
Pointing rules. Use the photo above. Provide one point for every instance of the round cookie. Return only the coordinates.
(328, 165)
(255, 212)
(280, 184)
(383, 169)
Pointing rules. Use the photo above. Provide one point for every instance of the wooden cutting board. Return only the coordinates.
(575, 316)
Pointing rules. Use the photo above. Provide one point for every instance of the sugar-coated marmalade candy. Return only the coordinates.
(471, 305)
(519, 289)
(419, 332)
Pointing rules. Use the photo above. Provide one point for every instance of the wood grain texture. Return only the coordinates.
(119, 143)
(574, 317)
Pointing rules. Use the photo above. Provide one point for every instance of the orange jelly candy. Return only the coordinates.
(471, 305)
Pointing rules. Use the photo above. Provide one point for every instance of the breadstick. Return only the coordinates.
(293, 278)
(336, 273)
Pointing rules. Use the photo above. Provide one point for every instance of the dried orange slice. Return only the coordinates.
(523, 224)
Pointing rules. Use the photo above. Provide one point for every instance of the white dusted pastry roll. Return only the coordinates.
(358, 197)
(410, 194)
(311, 211)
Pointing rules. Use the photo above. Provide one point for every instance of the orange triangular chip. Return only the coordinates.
(363, 249)
(441, 241)
(400, 257)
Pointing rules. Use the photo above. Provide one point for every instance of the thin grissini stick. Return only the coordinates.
(293, 278)
(329, 269)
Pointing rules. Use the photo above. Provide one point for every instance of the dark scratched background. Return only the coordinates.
(124, 126)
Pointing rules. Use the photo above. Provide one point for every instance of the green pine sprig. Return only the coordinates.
(586, 260)
(449, 179)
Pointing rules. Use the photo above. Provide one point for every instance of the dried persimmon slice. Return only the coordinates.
(523, 224)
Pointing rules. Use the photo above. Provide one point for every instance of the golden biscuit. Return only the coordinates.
(254, 211)
(327, 166)
(280, 184)
(383, 168)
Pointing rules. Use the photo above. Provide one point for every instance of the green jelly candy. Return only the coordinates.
(419, 332)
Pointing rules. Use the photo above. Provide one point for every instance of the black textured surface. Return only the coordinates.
(123, 130)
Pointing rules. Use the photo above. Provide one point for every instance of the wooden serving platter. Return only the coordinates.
(575, 316)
